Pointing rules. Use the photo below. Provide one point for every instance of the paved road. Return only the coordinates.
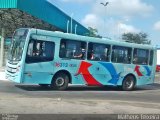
(12, 94)
(148, 93)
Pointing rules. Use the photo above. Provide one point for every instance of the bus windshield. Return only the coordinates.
(18, 41)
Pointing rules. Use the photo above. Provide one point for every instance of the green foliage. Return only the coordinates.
(93, 32)
(139, 38)
(12, 19)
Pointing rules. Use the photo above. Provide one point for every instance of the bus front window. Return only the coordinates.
(17, 45)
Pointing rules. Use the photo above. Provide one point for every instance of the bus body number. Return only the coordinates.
(61, 64)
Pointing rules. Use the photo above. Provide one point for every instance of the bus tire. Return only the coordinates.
(60, 81)
(128, 83)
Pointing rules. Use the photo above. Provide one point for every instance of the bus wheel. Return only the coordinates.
(128, 83)
(60, 81)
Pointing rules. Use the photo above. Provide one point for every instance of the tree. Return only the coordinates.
(11, 19)
(139, 38)
(93, 32)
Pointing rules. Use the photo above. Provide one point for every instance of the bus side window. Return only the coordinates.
(62, 52)
(151, 58)
(30, 48)
(121, 54)
(98, 52)
(72, 49)
(40, 51)
(140, 56)
(90, 54)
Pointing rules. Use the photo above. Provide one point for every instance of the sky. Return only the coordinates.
(118, 17)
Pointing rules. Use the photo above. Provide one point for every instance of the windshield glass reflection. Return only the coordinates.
(17, 45)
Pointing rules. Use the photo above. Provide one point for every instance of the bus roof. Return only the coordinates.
(88, 39)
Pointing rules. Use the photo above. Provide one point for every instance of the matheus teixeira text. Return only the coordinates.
(139, 117)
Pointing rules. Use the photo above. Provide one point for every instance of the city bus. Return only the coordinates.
(58, 59)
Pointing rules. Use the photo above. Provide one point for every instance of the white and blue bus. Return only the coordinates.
(57, 59)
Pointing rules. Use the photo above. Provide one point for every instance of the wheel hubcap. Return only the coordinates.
(129, 83)
(59, 81)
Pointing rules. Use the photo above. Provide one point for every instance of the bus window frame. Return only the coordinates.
(42, 61)
(106, 46)
(136, 53)
(84, 43)
(150, 57)
(131, 54)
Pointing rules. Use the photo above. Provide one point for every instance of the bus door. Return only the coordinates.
(38, 67)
